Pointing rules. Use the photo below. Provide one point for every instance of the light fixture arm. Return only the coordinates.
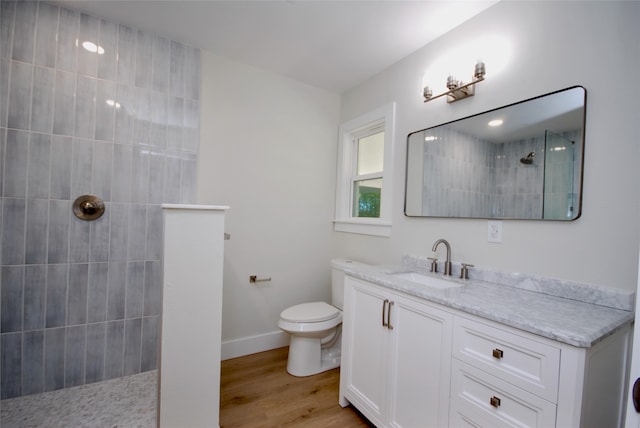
(458, 90)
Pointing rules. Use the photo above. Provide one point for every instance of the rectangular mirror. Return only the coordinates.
(528, 165)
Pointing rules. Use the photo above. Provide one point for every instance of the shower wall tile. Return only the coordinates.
(77, 293)
(79, 240)
(13, 231)
(132, 346)
(126, 55)
(64, 102)
(150, 343)
(118, 232)
(36, 230)
(144, 68)
(47, 29)
(60, 174)
(176, 69)
(20, 95)
(12, 295)
(139, 174)
(42, 102)
(192, 73)
(154, 240)
(15, 165)
(156, 178)
(32, 367)
(161, 62)
(142, 122)
(152, 294)
(95, 355)
(35, 288)
(85, 109)
(107, 62)
(125, 115)
(114, 343)
(66, 51)
(88, 31)
(82, 163)
(97, 292)
(56, 305)
(172, 179)
(39, 164)
(117, 291)
(105, 110)
(81, 301)
(99, 241)
(7, 13)
(102, 168)
(121, 180)
(137, 232)
(11, 365)
(5, 67)
(54, 346)
(58, 243)
(135, 289)
(24, 34)
(74, 356)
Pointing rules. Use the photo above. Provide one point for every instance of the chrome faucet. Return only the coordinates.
(447, 264)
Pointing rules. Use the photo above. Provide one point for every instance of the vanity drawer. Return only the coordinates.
(481, 400)
(526, 363)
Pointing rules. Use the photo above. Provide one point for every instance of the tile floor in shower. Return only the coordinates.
(126, 402)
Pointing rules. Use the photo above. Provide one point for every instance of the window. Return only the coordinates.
(365, 161)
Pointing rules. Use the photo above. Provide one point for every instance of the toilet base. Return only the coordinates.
(307, 356)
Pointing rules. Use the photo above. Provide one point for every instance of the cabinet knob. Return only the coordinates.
(495, 402)
(497, 353)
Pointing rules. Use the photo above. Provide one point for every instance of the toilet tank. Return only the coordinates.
(337, 279)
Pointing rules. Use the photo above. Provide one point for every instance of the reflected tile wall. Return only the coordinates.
(80, 301)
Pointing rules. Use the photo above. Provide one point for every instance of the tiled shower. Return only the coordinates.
(118, 118)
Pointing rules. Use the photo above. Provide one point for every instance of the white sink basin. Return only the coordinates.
(426, 280)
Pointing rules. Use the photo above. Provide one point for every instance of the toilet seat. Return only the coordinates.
(309, 312)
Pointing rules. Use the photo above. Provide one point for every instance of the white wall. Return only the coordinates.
(268, 150)
(554, 45)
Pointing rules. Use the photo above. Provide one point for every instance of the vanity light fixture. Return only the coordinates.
(458, 90)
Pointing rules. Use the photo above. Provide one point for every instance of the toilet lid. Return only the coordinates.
(309, 312)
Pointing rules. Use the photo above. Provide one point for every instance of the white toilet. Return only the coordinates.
(316, 327)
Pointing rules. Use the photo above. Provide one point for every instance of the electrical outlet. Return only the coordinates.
(494, 231)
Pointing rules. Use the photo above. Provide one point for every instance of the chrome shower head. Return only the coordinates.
(528, 160)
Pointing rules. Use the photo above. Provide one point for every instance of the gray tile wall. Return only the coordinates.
(80, 301)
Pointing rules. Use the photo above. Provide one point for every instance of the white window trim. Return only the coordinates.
(344, 222)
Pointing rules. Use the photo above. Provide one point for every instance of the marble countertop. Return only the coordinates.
(563, 318)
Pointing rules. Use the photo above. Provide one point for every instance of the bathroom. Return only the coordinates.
(268, 149)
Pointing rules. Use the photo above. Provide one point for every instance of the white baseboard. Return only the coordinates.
(253, 344)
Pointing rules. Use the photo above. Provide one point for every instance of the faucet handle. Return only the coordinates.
(434, 264)
(464, 271)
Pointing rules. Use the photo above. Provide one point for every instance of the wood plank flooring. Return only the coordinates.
(256, 391)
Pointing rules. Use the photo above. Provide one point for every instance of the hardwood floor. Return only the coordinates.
(256, 391)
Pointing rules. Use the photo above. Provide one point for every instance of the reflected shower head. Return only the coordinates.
(528, 160)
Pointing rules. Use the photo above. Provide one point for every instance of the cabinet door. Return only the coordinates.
(364, 356)
(420, 365)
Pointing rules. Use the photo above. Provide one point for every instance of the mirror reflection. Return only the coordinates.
(521, 161)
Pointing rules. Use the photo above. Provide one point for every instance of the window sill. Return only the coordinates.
(363, 227)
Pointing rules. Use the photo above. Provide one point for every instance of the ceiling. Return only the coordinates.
(334, 45)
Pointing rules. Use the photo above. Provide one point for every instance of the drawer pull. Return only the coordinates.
(385, 323)
(497, 353)
(495, 402)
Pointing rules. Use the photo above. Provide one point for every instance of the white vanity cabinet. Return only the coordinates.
(396, 357)
(503, 377)
(408, 362)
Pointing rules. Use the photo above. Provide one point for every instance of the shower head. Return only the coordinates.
(528, 160)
